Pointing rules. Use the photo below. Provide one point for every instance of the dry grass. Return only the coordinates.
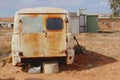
(101, 63)
(104, 43)
(5, 49)
(5, 40)
(5, 31)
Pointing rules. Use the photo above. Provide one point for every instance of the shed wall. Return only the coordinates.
(75, 24)
(83, 23)
(92, 23)
(108, 24)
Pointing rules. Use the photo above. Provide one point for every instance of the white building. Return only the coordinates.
(6, 22)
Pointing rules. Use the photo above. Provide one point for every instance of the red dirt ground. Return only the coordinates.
(102, 61)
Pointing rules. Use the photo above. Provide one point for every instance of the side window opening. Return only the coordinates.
(54, 24)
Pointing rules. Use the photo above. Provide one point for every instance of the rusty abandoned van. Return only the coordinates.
(41, 34)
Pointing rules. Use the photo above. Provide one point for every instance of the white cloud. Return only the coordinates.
(102, 3)
(34, 3)
(66, 2)
(11, 6)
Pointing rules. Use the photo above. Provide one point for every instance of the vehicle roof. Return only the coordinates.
(42, 10)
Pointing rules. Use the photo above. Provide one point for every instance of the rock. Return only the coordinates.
(90, 65)
(113, 68)
(33, 70)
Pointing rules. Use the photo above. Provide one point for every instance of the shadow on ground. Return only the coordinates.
(87, 61)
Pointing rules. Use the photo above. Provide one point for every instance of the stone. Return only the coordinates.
(33, 70)
(90, 65)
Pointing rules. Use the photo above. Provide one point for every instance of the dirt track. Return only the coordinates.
(102, 61)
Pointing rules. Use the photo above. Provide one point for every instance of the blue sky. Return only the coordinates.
(9, 7)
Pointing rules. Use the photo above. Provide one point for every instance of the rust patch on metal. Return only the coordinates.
(34, 15)
(63, 52)
(20, 26)
(30, 14)
(36, 53)
(55, 44)
(32, 45)
(54, 16)
(29, 38)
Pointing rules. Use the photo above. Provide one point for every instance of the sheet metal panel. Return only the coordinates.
(82, 21)
(75, 25)
(45, 44)
(55, 40)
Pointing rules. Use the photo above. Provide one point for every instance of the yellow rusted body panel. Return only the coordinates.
(46, 43)
(32, 45)
(55, 41)
(52, 44)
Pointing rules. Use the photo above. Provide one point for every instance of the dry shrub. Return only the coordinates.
(5, 49)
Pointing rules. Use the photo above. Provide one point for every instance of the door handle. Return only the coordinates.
(45, 32)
